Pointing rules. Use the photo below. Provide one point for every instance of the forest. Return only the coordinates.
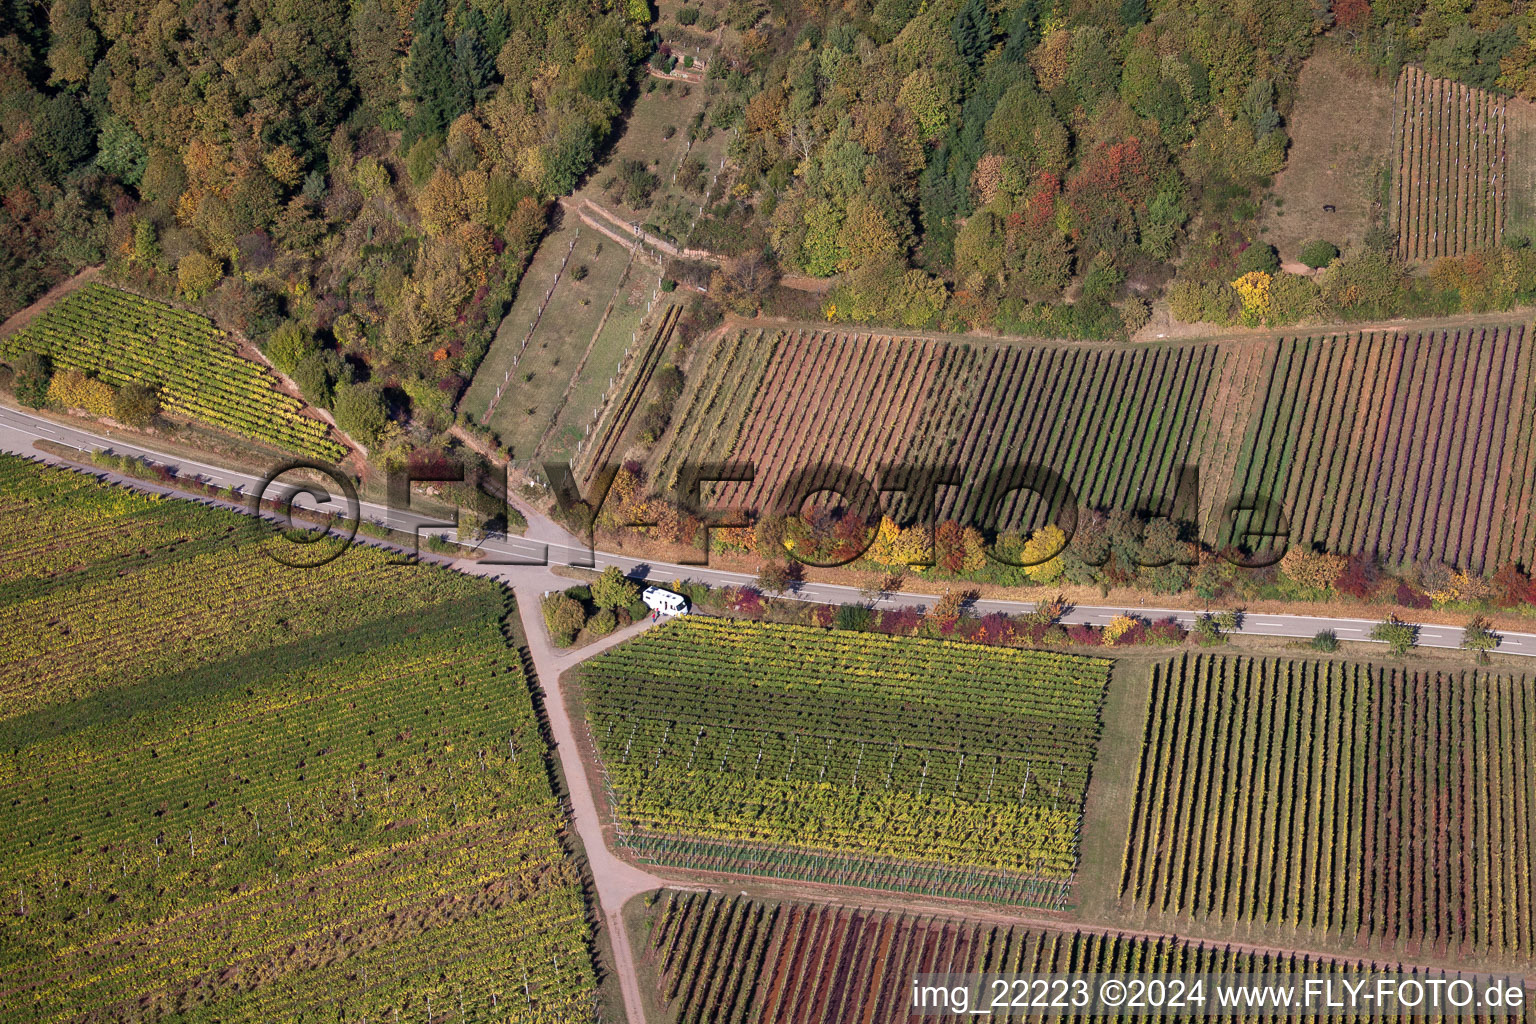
(357, 187)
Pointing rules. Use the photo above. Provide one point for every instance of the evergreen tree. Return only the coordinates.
(1023, 32)
(375, 56)
(474, 72)
(972, 32)
(1133, 13)
(431, 73)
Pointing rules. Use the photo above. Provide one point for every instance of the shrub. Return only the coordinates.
(579, 271)
(613, 589)
(74, 390)
(853, 617)
(288, 344)
(360, 412)
(603, 623)
(1260, 257)
(564, 617)
(1399, 636)
(1119, 627)
(1327, 640)
(687, 15)
(580, 592)
(1135, 313)
(1319, 254)
(33, 375)
(1478, 636)
(135, 404)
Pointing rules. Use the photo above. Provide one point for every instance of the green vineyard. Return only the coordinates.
(1354, 802)
(235, 795)
(718, 959)
(124, 339)
(895, 762)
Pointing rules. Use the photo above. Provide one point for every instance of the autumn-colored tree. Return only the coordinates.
(74, 390)
(1312, 569)
(197, 273)
(1352, 16)
(1042, 554)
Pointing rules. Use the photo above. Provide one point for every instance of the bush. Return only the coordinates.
(613, 589)
(687, 15)
(1135, 313)
(360, 412)
(1261, 257)
(1399, 636)
(564, 617)
(580, 592)
(1327, 640)
(33, 375)
(313, 377)
(135, 404)
(579, 272)
(1319, 254)
(74, 390)
(289, 344)
(603, 623)
(854, 617)
(638, 610)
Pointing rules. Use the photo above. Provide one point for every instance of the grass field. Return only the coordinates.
(562, 332)
(713, 958)
(241, 792)
(585, 327)
(893, 762)
(1332, 161)
(1389, 808)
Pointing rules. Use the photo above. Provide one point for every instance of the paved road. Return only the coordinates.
(546, 543)
(546, 539)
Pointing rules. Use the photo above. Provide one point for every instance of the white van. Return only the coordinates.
(664, 602)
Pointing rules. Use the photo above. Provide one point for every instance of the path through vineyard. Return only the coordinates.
(616, 881)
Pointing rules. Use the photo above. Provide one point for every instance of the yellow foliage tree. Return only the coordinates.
(197, 273)
(914, 547)
(866, 236)
(928, 97)
(284, 165)
(1253, 289)
(1042, 554)
(441, 203)
(882, 549)
(1117, 628)
(1312, 569)
(74, 390)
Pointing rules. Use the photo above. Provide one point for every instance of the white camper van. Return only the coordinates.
(664, 602)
